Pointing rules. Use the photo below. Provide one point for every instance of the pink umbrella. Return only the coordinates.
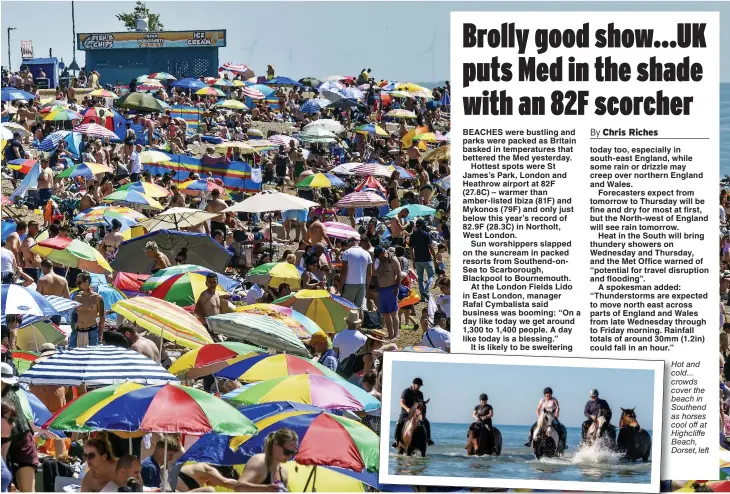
(283, 140)
(364, 199)
(340, 230)
(96, 131)
(252, 93)
(373, 169)
(239, 68)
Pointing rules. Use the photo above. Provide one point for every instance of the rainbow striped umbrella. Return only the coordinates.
(228, 284)
(72, 253)
(274, 274)
(85, 170)
(302, 326)
(320, 180)
(164, 319)
(210, 358)
(23, 360)
(168, 408)
(62, 114)
(232, 104)
(130, 196)
(95, 130)
(263, 366)
(210, 91)
(223, 82)
(101, 215)
(102, 93)
(183, 289)
(371, 129)
(362, 199)
(325, 392)
(324, 439)
(327, 310)
(146, 188)
(22, 165)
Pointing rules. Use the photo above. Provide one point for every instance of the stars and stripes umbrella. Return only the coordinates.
(97, 366)
(362, 199)
(314, 105)
(253, 93)
(239, 68)
(164, 319)
(131, 196)
(260, 330)
(147, 188)
(72, 253)
(211, 358)
(95, 130)
(85, 169)
(372, 169)
(327, 310)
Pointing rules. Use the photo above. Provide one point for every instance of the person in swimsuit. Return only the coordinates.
(87, 331)
(263, 471)
(153, 252)
(109, 245)
(196, 475)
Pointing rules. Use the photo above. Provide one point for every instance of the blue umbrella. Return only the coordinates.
(10, 94)
(283, 81)
(266, 90)
(314, 105)
(189, 83)
(37, 412)
(8, 227)
(414, 211)
(446, 98)
(52, 141)
(18, 300)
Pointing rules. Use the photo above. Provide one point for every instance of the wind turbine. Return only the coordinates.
(431, 50)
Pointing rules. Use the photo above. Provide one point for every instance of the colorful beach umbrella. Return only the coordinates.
(403, 173)
(304, 328)
(210, 358)
(19, 300)
(33, 336)
(371, 129)
(422, 349)
(256, 329)
(97, 366)
(101, 215)
(372, 170)
(183, 289)
(102, 93)
(95, 130)
(400, 113)
(341, 231)
(22, 165)
(210, 91)
(321, 391)
(275, 273)
(260, 367)
(11, 94)
(228, 284)
(253, 93)
(164, 319)
(143, 102)
(444, 183)
(162, 76)
(426, 137)
(188, 83)
(232, 104)
(241, 69)
(72, 253)
(130, 196)
(283, 140)
(327, 310)
(165, 409)
(320, 180)
(85, 169)
(199, 187)
(63, 114)
(223, 82)
(362, 199)
(147, 188)
(152, 157)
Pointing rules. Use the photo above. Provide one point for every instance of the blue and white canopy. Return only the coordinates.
(97, 366)
(50, 304)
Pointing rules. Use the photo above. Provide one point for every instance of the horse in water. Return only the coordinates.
(601, 430)
(547, 439)
(633, 441)
(414, 437)
(483, 440)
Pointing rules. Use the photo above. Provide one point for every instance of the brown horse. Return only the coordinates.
(482, 440)
(633, 441)
(413, 436)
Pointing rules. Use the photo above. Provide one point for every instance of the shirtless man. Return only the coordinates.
(177, 200)
(110, 243)
(211, 303)
(141, 344)
(31, 260)
(153, 252)
(316, 233)
(87, 201)
(13, 243)
(216, 205)
(86, 330)
(45, 183)
(51, 283)
(397, 227)
(102, 465)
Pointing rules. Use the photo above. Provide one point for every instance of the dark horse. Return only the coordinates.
(483, 440)
(413, 436)
(633, 441)
(601, 431)
(549, 437)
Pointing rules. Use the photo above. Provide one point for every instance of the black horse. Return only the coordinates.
(483, 440)
(549, 437)
(601, 431)
(633, 441)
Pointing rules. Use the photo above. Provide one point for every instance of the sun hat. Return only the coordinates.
(353, 318)
(377, 335)
(7, 375)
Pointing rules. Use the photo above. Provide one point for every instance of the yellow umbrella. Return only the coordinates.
(302, 479)
(409, 86)
(426, 137)
(438, 154)
(153, 157)
(102, 93)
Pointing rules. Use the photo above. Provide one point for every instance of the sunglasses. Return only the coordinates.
(91, 456)
(288, 452)
(9, 419)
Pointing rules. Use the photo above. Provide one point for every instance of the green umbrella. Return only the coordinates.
(140, 102)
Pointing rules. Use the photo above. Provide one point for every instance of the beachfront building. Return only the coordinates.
(120, 57)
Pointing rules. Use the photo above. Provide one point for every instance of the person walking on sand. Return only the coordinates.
(88, 327)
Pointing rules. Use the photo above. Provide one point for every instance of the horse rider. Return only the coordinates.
(548, 404)
(482, 414)
(592, 410)
(408, 398)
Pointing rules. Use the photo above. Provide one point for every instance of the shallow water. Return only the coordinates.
(448, 458)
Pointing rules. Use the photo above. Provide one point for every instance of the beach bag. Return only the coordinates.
(372, 320)
(346, 367)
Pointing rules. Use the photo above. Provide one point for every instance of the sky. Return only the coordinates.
(514, 391)
(406, 41)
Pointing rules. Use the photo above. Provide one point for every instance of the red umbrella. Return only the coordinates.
(371, 182)
(361, 200)
(130, 283)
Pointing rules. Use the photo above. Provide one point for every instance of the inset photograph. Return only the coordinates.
(531, 422)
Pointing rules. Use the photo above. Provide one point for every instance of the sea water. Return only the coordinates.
(448, 458)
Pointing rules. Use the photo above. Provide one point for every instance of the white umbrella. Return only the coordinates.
(260, 330)
(153, 157)
(327, 123)
(268, 201)
(176, 218)
(14, 127)
(5, 133)
(345, 168)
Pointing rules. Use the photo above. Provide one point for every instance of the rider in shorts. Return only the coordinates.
(549, 404)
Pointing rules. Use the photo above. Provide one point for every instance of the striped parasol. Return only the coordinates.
(363, 199)
(85, 169)
(97, 366)
(60, 305)
(252, 93)
(372, 169)
(239, 68)
(52, 140)
(283, 140)
(314, 105)
(102, 93)
(164, 319)
(260, 330)
(210, 91)
(96, 131)
(72, 253)
(340, 230)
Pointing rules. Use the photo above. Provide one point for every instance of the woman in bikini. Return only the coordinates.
(263, 471)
